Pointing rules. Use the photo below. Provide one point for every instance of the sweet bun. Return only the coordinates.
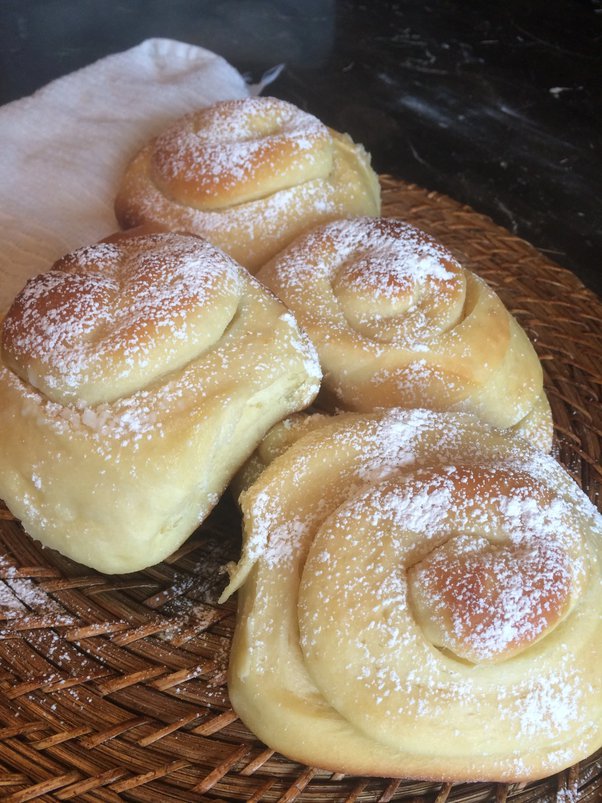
(249, 175)
(136, 376)
(397, 321)
(277, 440)
(420, 596)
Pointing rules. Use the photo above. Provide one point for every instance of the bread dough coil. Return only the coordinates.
(135, 377)
(399, 322)
(420, 596)
(249, 175)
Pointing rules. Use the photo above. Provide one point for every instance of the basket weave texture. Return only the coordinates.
(114, 688)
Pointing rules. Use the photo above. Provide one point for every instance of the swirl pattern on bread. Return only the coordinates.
(249, 175)
(420, 596)
(136, 376)
(397, 321)
(112, 318)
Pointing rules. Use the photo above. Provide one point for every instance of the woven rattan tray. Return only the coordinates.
(114, 688)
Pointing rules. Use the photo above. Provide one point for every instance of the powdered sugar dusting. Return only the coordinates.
(108, 312)
(220, 150)
(398, 321)
(497, 529)
(21, 598)
(301, 342)
(391, 252)
(245, 229)
(486, 602)
(391, 443)
(390, 282)
(248, 176)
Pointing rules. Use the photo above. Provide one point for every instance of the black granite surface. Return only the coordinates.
(495, 104)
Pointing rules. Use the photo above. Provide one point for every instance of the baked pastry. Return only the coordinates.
(420, 596)
(276, 441)
(398, 322)
(136, 376)
(249, 175)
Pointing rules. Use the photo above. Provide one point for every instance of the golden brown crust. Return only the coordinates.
(420, 597)
(249, 175)
(461, 590)
(93, 328)
(136, 376)
(397, 321)
(239, 151)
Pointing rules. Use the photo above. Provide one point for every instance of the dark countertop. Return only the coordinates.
(496, 105)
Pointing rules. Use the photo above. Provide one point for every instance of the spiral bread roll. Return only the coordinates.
(397, 321)
(276, 441)
(135, 378)
(249, 175)
(420, 596)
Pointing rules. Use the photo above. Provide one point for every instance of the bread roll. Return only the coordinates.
(276, 442)
(420, 597)
(397, 321)
(136, 376)
(249, 175)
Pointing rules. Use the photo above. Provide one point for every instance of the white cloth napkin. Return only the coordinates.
(64, 148)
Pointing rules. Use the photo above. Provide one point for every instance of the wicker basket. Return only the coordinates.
(114, 688)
